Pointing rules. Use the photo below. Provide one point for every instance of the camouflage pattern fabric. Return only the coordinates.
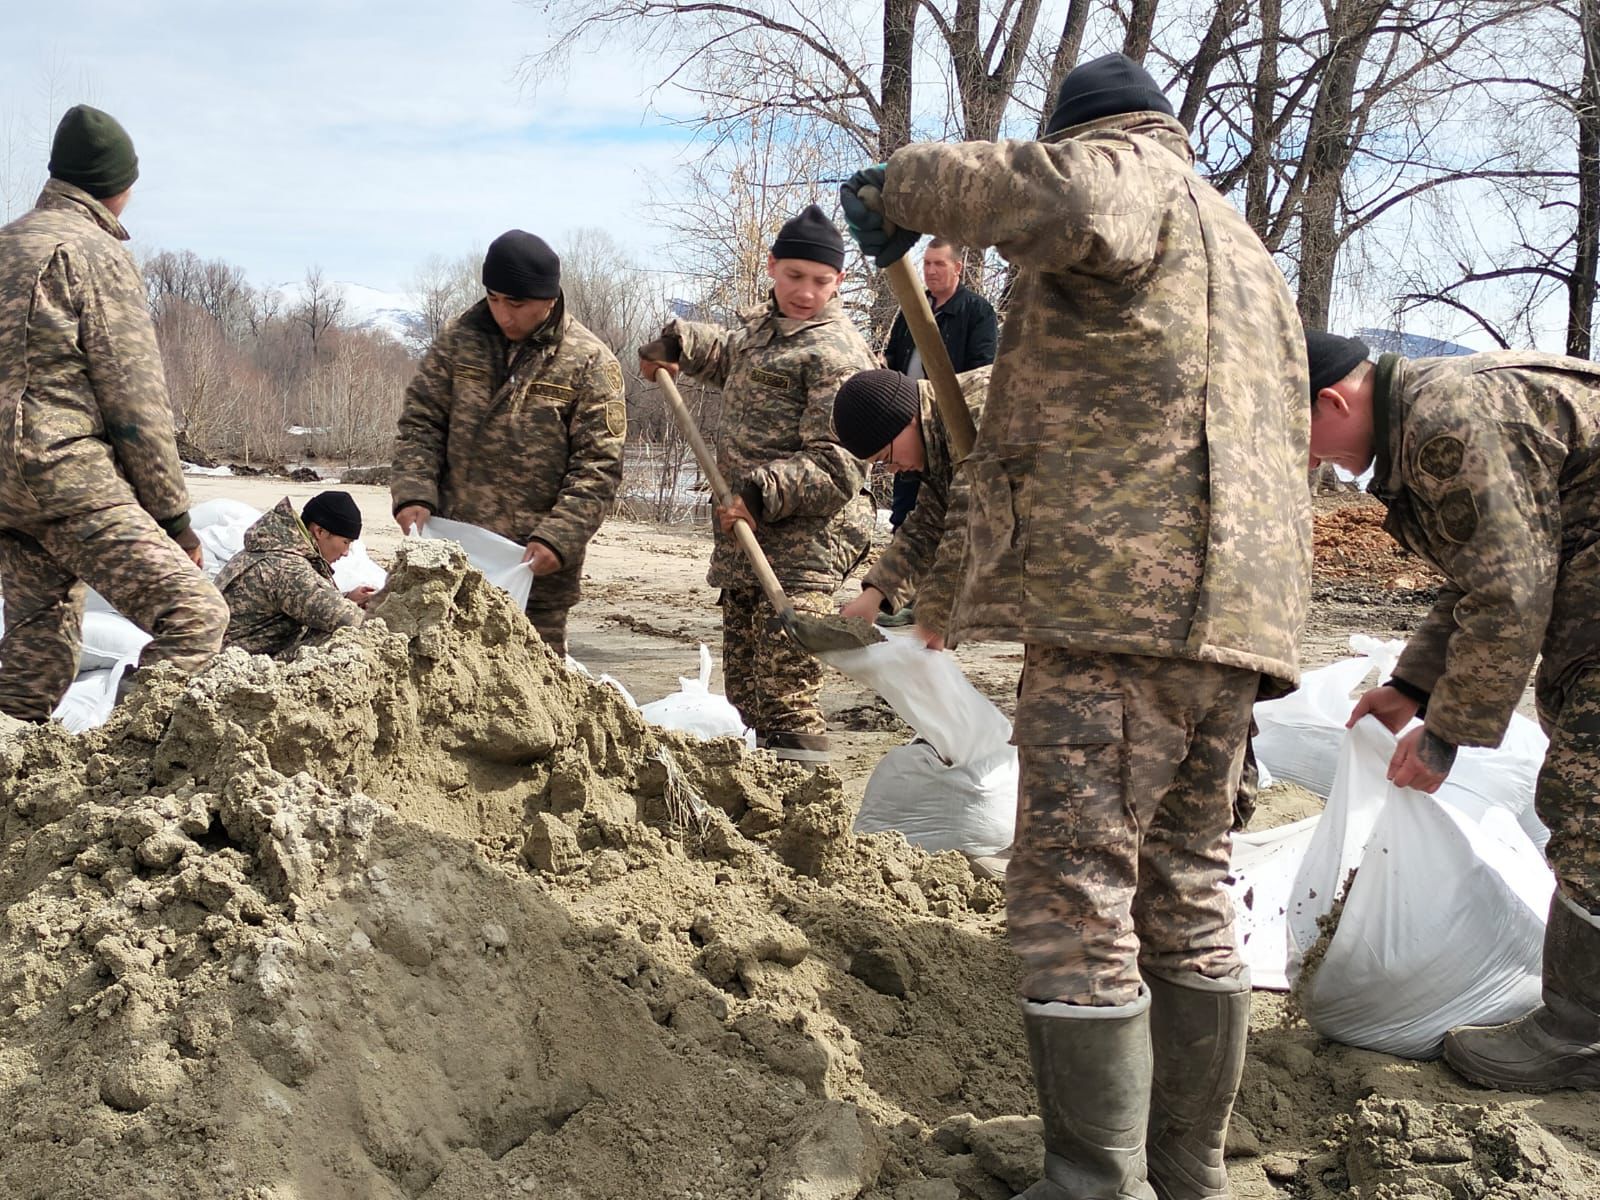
(524, 439)
(923, 562)
(1490, 467)
(130, 560)
(778, 377)
(1567, 797)
(775, 685)
(280, 590)
(85, 423)
(1139, 482)
(550, 623)
(1129, 769)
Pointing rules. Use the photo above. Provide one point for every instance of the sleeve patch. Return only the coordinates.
(1458, 515)
(611, 376)
(1441, 457)
(616, 417)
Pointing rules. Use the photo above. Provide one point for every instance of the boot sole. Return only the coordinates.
(1585, 1080)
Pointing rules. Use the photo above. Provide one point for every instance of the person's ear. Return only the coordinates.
(1335, 398)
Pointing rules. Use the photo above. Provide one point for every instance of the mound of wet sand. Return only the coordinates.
(423, 914)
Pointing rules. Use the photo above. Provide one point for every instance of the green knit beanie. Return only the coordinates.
(92, 151)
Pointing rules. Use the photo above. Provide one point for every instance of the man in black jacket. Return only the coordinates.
(968, 327)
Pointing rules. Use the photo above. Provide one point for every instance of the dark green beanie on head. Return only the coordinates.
(94, 152)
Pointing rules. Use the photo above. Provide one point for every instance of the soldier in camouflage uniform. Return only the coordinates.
(803, 492)
(280, 589)
(91, 490)
(884, 416)
(515, 422)
(1489, 465)
(1140, 522)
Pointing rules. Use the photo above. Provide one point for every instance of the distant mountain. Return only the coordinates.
(1411, 345)
(393, 313)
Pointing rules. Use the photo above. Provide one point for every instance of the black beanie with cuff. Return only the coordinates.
(872, 408)
(522, 266)
(334, 511)
(811, 236)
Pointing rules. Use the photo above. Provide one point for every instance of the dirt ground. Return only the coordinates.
(1316, 1120)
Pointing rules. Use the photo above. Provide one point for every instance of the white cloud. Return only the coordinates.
(351, 134)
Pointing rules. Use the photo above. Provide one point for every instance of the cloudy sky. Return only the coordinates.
(357, 136)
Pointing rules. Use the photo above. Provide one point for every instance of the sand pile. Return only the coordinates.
(1349, 543)
(423, 914)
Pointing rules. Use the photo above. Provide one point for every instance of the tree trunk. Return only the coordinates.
(1066, 56)
(1224, 21)
(1141, 25)
(1581, 283)
(899, 32)
(1258, 168)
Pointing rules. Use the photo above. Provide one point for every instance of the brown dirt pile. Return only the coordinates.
(1349, 543)
(422, 914)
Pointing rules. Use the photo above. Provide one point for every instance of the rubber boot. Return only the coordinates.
(1092, 1069)
(1198, 1028)
(1558, 1044)
(810, 749)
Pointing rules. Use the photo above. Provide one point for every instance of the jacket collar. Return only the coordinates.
(765, 321)
(1169, 132)
(60, 196)
(1388, 423)
(548, 335)
(282, 531)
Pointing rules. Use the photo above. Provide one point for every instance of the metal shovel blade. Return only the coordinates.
(822, 634)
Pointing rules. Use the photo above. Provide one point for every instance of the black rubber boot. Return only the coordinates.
(808, 748)
(1558, 1044)
(1198, 1028)
(1092, 1069)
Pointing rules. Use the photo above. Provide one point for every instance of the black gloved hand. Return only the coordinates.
(879, 239)
(668, 348)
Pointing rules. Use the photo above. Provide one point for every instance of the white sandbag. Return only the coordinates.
(695, 708)
(356, 569)
(970, 807)
(610, 681)
(221, 525)
(499, 558)
(929, 692)
(1298, 737)
(109, 638)
(89, 700)
(1261, 877)
(1444, 922)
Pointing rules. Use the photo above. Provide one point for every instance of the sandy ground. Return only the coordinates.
(646, 609)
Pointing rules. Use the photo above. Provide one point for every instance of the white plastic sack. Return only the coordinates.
(89, 700)
(610, 681)
(499, 558)
(929, 692)
(109, 639)
(1299, 736)
(696, 709)
(1444, 923)
(970, 807)
(356, 569)
(221, 525)
(1261, 875)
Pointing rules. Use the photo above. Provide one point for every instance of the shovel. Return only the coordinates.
(817, 634)
(936, 363)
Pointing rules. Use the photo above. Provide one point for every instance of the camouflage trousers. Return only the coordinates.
(1567, 797)
(549, 603)
(125, 556)
(775, 685)
(1129, 770)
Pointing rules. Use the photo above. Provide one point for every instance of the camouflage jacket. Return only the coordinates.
(280, 590)
(524, 440)
(924, 559)
(1139, 483)
(778, 378)
(1490, 467)
(85, 422)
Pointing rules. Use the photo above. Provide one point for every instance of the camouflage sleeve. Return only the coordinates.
(904, 563)
(937, 592)
(304, 596)
(1422, 661)
(1491, 505)
(419, 447)
(822, 477)
(705, 350)
(124, 364)
(1066, 205)
(594, 462)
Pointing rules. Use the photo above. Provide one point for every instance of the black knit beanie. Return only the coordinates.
(811, 236)
(93, 151)
(1109, 85)
(334, 511)
(522, 266)
(871, 409)
(1332, 357)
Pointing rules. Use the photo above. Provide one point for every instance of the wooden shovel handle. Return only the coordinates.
(742, 533)
(936, 365)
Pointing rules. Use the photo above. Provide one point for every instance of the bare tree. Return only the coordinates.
(441, 290)
(321, 305)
